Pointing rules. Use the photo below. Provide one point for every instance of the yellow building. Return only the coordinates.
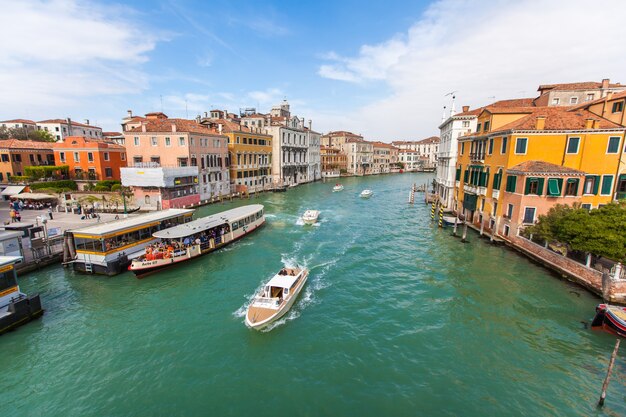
(250, 155)
(521, 161)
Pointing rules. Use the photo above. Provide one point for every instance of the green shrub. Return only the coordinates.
(38, 172)
(61, 185)
(107, 183)
(18, 178)
(101, 188)
(116, 187)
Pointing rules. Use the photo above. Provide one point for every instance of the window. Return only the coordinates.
(154, 141)
(511, 182)
(486, 128)
(181, 141)
(156, 159)
(108, 172)
(490, 146)
(607, 185)
(589, 97)
(573, 100)
(191, 142)
(1, 176)
(592, 183)
(478, 127)
(618, 107)
(529, 214)
(503, 146)
(136, 138)
(61, 156)
(76, 157)
(17, 158)
(466, 123)
(90, 156)
(32, 158)
(613, 144)
(123, 156)
(462, 148)
(5, 157)
(106, 156)
(534, 186)
(497, 180)
(520, 146)
(554, 187)
(509, 211)
(147, 199)
(137, 159)
(572, 145)
(571, 187)
(556, 101)
(586, 206)
(458, 174)
(168, 142)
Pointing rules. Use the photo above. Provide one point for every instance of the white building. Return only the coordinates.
(428, 148)
(454, 126)
(61, 128)
(313, 157)
(410, 159)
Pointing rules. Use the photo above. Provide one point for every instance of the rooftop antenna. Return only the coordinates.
(443, 116)
(452, 109)
(186, 110)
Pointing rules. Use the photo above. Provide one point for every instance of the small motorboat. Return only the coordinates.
(366, 193)
(449, 220)
(611, 319)
(276, 297)
(310, 216)
(337, 187)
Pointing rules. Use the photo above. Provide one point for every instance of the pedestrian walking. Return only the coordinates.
(50, 213)
(12, 214)
(18, 216)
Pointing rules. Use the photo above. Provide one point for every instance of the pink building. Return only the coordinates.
(158, 141)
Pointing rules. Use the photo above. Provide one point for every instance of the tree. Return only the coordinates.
(41, 136)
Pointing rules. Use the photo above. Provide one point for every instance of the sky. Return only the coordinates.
(380, 69)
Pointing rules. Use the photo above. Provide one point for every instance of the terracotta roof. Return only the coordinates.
(432, 139)
(25, 144)
(97, 141)
(558, 118)
(18, 121)
(64, 122)
(542, 168)
(516, 102)
(342, 133)
(474, 112)
(165, 125)
(585, 85)
(509, 110)
(379, 144)
(112, 134)
(407, 151)
(614, 96)
(356, 139)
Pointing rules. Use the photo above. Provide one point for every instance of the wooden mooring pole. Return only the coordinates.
(605, 385)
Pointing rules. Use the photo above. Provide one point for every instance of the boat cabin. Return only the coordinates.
(282, 284)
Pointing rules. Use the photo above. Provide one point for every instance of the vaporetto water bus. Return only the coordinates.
(16, 308)
(190, 240)
(108, 248)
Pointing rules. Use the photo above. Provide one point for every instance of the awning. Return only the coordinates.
(13, 189)
(34, 196)
(554, 188)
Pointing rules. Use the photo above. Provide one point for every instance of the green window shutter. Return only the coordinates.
(482, 181)
(613, 145)
(607, 185)
(458, 174)
(540, 187)
(527, 189)
(465, 176)
(574, 181)
(596, 184)
(486, 184)
(511, 182)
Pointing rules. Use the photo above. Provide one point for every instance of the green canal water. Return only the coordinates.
(398, 318)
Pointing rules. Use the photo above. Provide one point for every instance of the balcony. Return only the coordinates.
(470, 189)
(482, 191)
(477, 157)
(495, 194)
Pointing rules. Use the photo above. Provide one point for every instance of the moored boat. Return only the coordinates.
(337, 187)
(198, 237)
(611, 319)
(310, 216)
(366, 193)
(276, 297)
(449, 220)
(16, 308)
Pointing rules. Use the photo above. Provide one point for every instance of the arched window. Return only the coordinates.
(147, 199)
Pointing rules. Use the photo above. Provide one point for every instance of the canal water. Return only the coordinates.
(398, 318)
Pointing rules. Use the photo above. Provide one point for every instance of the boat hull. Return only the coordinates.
(608, 320)
(21, 312)
(280, 312)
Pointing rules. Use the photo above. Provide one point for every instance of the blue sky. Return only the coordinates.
(381, 69)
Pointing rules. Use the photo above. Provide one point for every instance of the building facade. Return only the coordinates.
(90, 159)
(360, 156)
(162, 188)
(62, 128)
(15, 155)
(571, 94)
(158, 141)
(334, 162)
(313, 155)
(382, 157)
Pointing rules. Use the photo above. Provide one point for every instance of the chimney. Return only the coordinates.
(205, 115)
(596, 124)
(130, 113)
(219, 128)
(310, 123)
(86, 121)
(143, 126)
(541, 123)
(605, 83)
(174, 127)
(69, 127)
(198, 119)
(465, 109)
(588, 123)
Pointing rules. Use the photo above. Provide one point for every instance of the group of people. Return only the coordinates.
(163, 249)
(18, 205)
(167, 249)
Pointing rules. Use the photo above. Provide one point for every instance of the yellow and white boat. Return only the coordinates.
(276, 297)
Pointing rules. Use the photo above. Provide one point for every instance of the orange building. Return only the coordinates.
(89, 158)
(15, 155)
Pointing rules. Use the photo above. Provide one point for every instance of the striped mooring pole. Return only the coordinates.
(441, 216)
(432, 211)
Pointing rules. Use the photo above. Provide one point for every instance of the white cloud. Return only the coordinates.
(266, 97)
(500, 48)
(59, 52)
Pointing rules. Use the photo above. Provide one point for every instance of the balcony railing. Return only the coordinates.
(477, 156)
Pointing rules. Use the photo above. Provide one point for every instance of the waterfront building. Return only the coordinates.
(410, 159)
(89, 158)
(427, 148)
(108, 248)
(162, 188)
(158, 141)
(115, 137)
(360, 155)
(450, 130)
(337, 139)
(20, 127)
(62, 128)
(15, 155)
(250, 152)
(571, 94)
(333, 162)
(501, 163)
(313, 155)
(382, 157)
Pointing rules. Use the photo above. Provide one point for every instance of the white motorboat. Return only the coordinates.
(310, 216)
(276, 297)
(366, 193)
(337, 187)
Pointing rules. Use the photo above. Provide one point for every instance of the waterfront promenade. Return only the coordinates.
(398, 318)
